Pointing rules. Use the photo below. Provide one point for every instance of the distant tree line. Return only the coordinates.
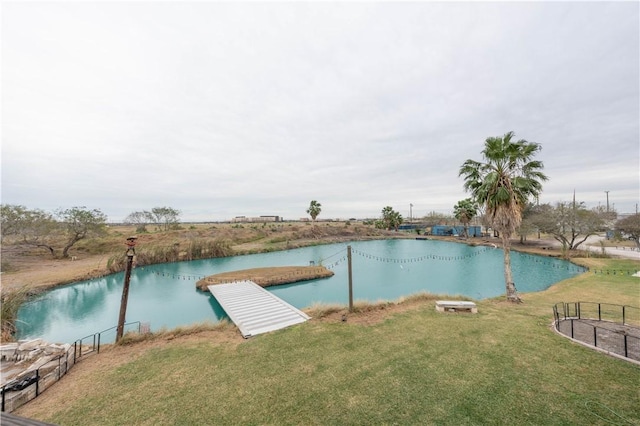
(570, 223)
(57, 232)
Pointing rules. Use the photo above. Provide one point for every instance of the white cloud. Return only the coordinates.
(221, 109)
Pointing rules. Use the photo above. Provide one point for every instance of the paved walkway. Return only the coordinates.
(593, 244)
(605, 335)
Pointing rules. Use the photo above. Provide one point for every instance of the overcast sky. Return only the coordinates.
(227, 109)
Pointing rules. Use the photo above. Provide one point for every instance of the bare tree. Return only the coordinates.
(139, 219)
(78, 223)
(163, 217)
(35, 228)
(631, 226)
(570, 223)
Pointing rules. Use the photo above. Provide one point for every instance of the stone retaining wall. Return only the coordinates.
(31, 367)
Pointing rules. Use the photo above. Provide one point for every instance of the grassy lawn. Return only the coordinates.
(501, 366)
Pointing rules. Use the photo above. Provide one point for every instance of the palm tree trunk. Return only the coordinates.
(512, 293)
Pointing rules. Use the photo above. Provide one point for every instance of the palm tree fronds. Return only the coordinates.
(503, 184)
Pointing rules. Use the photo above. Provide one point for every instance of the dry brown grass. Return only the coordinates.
(35, 267)
(367, 313)
(222, 330)
(266, 277)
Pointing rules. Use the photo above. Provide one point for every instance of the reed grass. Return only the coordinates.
(10, 302)
(195, 249)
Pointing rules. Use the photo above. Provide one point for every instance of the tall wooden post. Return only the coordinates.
(350, 279)
(131, 242)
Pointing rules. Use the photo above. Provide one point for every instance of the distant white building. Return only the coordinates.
(259, 219)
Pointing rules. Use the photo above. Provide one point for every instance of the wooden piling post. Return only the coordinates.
(350, 279)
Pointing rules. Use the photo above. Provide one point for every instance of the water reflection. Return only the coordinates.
(165, 295)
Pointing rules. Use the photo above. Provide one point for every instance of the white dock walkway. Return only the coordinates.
(253, 309)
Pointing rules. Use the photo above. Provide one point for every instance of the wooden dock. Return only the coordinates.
(253, 309)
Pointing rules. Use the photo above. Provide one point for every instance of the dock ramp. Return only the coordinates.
(253, 309)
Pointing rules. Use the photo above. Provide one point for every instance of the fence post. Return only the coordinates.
(595, 336)
(99, 334)
(131, 251)
(37, 381)
(572, 328)
(75, 350)
(350, 273)
(626, 353)
(578, 310)
(599, 312)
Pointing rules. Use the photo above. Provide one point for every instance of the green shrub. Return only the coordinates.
(278, 240)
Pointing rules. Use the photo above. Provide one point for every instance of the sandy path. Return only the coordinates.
(43, 273)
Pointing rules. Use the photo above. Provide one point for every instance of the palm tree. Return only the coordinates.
(465, 211)
(314, 209)
(503, 184)
(391, 218)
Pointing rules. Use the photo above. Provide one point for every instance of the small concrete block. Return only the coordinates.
(455, 306)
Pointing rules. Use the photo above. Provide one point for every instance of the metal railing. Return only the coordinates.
(613, 328)
(96, 338)
(28, 386)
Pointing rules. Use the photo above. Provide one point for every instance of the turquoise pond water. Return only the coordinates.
(165, 296)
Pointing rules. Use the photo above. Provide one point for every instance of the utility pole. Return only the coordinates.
(131, 251)
(607, 192)
(350, 279)
(410, 212)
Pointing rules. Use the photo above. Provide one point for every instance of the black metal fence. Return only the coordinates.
(32, 383)
(613, 328)
(91, 343)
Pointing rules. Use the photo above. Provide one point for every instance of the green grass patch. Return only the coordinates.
(503, 365)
